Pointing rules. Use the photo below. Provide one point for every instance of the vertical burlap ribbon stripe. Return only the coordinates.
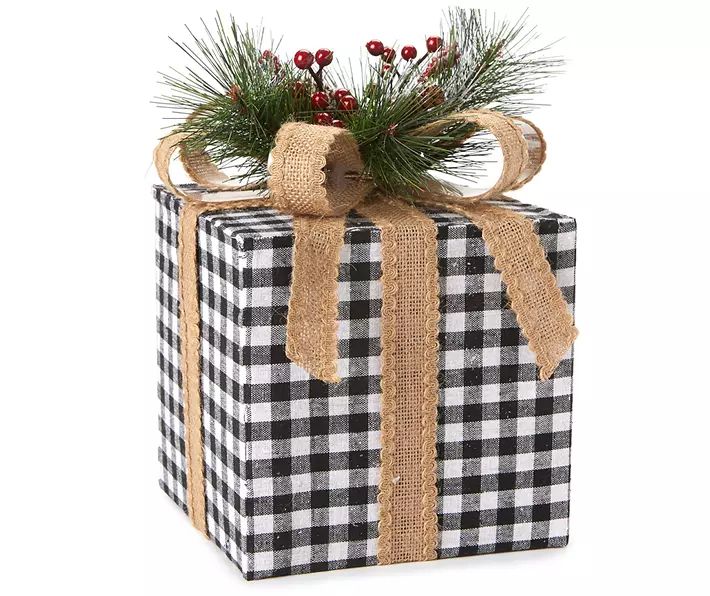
(410, 388)
(189, 280)
(314, 177)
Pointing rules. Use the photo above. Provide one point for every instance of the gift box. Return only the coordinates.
(292, 464)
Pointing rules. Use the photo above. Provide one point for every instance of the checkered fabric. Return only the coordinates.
(292, 463)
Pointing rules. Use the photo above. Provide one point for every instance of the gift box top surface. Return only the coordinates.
(264, 222)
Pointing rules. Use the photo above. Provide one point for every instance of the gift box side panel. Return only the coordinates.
(223, 412)
(171, 421)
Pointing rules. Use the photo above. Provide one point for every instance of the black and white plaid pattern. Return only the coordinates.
(292, 463)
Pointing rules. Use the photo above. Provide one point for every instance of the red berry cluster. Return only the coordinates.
(340, 99)
(304, 59)
(431, 95)
(387, 54)
(376, 48)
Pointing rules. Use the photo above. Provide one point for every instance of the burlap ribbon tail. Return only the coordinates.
(314, 177)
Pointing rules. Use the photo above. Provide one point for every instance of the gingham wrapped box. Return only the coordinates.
(292, 463)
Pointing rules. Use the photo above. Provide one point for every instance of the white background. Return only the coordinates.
(80, 510)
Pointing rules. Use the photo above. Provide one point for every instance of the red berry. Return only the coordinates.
(388, 54)
(323, 118)
(433, 43)
(375, 47)
(324, 57)
(320, 100)
(303, 59)
(338, 123)
(347, 103)
(267, 55)
(386, 67)
(338, 94)
(409, 52)
(299, 89)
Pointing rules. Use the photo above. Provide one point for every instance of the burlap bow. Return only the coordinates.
(315, 176)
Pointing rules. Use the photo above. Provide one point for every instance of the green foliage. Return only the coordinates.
(232, 100)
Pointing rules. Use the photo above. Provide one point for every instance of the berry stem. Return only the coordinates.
(317, 77)
(418, 63)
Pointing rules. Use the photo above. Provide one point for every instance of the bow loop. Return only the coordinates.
(521, 143)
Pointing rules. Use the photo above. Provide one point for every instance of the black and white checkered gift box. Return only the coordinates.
(292, 463)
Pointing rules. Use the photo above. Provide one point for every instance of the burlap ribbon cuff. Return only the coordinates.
(316, 176)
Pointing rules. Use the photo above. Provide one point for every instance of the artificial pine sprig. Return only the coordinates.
(238, 93)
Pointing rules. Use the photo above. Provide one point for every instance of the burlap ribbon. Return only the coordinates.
(315, 176)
